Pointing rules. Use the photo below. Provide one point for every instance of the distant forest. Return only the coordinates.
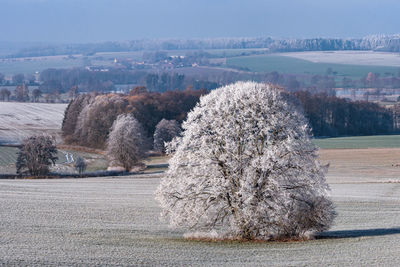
(89, 81)
(387, 43)
(332, 116)
(89, 117)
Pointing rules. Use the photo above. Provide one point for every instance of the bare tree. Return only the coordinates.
(36, 154)
(36, 93)
(73, 92)
(5, 94)
(246, 168)
(80, 165)
(22, 93)
(165, 131)
(126, 142)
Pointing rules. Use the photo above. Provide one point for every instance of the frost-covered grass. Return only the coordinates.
(369, 58)
(375, 141)
(115, 221)
(20, 120)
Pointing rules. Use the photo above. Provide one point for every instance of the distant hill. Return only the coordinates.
(387, 43)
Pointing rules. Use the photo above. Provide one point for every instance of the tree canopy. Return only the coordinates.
(36, 154)
(245, 167)
(126, 143)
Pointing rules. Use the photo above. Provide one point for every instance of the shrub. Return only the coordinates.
(80, 165)
(36, 154)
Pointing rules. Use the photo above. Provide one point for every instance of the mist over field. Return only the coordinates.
(76, 21)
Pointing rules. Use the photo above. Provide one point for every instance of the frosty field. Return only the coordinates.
(115, 221)
(369, 58)
(19, 120)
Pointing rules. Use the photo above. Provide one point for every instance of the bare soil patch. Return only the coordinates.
(362, 165)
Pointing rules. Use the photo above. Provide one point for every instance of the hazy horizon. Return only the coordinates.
(73, 21)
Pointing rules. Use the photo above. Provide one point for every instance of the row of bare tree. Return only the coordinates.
(22, 94)
(89, 117)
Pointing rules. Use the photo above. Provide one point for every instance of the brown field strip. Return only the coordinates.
(362, 165)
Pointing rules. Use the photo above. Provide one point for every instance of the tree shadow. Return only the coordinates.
(358, 233)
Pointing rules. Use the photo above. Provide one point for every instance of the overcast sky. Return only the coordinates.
(80, 21)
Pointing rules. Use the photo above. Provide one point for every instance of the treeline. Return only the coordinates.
(163, 82)
(332, 116)
(18, 79)
(389, 43)
(63, 80)
(88, 117)
(22, 93)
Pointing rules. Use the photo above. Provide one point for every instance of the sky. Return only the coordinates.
(83, 21)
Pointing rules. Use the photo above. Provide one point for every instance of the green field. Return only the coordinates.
(8, 155)
(285, 64)
(38, 64)
(95, 162)
(376, 141)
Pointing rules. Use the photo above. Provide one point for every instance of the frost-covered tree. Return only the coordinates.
(36, 154)
(165, 131)
(246, 168)
(126, 142)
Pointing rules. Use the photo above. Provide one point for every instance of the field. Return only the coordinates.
(115, 221)
(376, 141)
(19, 120)
(286, 64)
(353, 64)
(30, 65)
(94, 161)
(367, 58)
(34, 64)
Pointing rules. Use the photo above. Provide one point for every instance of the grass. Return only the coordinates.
(31, 65)
(369, 58)
(115, 221)
(10, 67)
(8, 155)
(355, 142)
(95, 162)
(285, 64)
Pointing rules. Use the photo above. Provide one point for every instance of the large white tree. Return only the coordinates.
(126, 142)
(245, 167)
